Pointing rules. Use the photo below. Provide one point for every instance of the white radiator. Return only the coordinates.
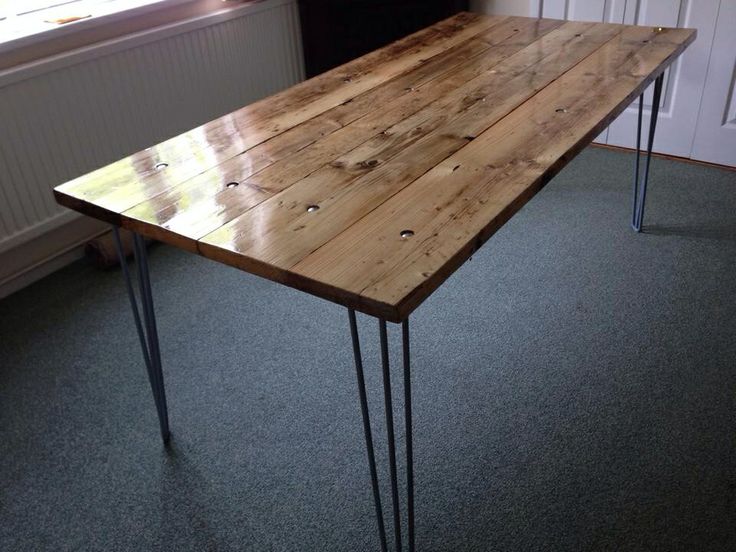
(67, 116)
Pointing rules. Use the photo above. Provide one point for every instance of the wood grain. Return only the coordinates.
(458, 205)
(280, 232)
(126, 183)
(295, 154)
(446, 133)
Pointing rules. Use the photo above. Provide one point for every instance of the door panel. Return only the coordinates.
(715, 136)
(614, 11)
(577, 10)
(684, 80)
(610, 11)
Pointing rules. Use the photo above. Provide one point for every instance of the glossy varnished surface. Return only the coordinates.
(445, 134)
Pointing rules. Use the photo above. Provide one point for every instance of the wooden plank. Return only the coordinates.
(279, 232)
(126, 183)
(460, 203)
(260, 173)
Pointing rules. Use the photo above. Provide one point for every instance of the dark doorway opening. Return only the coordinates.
(336, 31)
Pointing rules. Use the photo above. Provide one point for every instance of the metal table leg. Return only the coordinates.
(148, 338)
(641, 181)
(409, 431)
(390, 433)
(367, 429)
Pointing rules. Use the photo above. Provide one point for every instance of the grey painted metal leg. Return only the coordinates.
(149, 337)
(390, 431)
(388, 403)
(409, 431)
(367, 429)
(641, 181)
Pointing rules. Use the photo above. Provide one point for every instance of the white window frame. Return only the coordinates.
(110, 14)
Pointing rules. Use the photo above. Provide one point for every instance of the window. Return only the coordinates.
(20, 19)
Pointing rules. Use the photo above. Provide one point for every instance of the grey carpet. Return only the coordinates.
(574, 390)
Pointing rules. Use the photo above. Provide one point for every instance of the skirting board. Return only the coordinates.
(39, 257)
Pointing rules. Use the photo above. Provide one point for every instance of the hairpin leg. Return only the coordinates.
(367, 429)
(148, 338)
(390, 432)
(409, 431)
(388, 403)
(641, 181)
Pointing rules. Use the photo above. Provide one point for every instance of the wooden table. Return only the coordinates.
(370, 184)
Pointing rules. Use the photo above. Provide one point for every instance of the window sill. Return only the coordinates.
(85, 32)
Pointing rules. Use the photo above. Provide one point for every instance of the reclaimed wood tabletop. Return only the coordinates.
(370, 184)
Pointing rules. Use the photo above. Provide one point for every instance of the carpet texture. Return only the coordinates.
(574, 389)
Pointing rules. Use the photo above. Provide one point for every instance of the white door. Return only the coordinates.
(610, 11)
(684, 80)
(715, 136)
